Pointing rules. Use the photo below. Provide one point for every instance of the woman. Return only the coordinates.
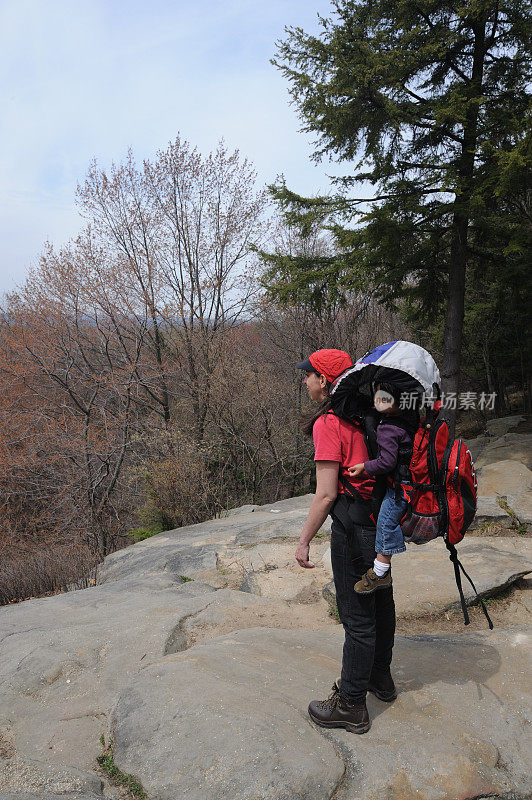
(368, 620)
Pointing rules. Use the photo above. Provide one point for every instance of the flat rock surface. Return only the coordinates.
(27, 778)
(424, 576)
(502, 425)
(65, 659)
(511, 446)
(505, 487)
(521, 506)
(228, 720)
(276, 573)
(243, 559)
(47, 796)
(210, 684)
(500, 442)
(188, 551)
(63, 663)
(229, 611)
(489, 511)
(503, 478)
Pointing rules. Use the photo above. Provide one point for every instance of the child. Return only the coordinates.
(395, 432)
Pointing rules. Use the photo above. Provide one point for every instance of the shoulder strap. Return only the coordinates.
(369, 430)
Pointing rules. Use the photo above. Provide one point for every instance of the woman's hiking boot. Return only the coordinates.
(382, 685)
(335, 712)
(370, 581)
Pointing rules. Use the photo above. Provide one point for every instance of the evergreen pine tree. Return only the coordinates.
(424, 97)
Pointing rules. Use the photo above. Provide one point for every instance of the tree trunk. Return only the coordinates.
(297, 443)
(454, 322)
(159, 344)
(455, 308)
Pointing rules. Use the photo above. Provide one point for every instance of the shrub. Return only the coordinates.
(34, 573)
(139, 534)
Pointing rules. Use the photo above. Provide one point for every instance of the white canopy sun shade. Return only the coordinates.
(404, 356)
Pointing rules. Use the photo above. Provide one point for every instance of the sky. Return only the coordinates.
(84, 79)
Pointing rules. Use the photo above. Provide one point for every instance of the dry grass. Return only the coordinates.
(500, 530)
(45, 572)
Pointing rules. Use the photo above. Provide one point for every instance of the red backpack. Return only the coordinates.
(442, 493)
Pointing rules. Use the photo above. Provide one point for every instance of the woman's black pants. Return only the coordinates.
(368, 620)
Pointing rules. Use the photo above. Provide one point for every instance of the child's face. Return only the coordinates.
(384, 402)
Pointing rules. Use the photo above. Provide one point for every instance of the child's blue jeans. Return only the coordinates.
(389, 539)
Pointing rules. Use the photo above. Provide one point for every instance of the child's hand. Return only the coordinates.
(356, 470)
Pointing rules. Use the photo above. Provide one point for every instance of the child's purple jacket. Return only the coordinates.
(389, 439)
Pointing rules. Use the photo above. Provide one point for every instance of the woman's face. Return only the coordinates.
(316, 386)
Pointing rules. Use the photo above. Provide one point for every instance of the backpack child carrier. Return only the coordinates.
(442, 494)
(436, 475)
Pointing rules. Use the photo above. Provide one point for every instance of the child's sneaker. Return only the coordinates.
(370, 581)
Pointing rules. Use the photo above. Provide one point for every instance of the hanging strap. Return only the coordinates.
(350, 490)
(453, 556)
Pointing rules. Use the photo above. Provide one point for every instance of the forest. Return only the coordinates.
(147, 376)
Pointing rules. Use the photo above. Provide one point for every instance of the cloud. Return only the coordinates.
(91, 78)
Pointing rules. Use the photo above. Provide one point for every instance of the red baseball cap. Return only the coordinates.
(330, 363)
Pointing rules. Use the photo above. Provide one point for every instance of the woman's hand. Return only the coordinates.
(356, 470)
(302, 556)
